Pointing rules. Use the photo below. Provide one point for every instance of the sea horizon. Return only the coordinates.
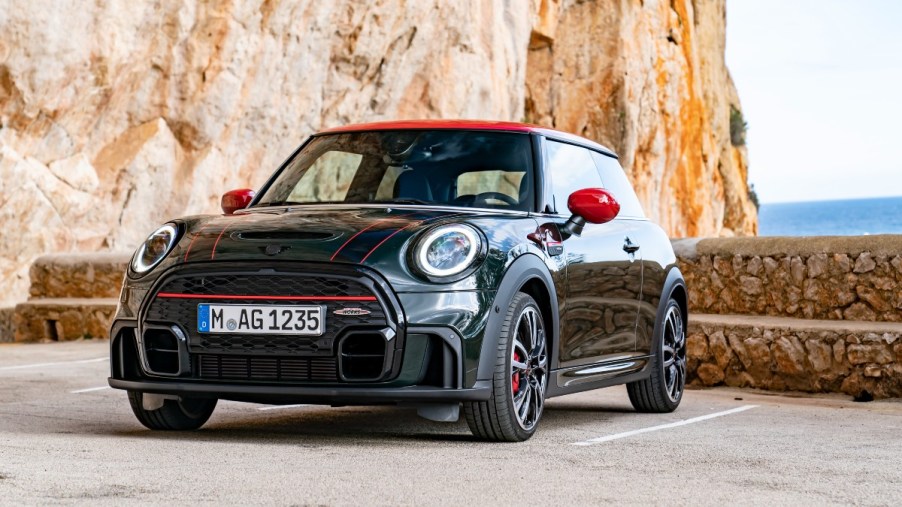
(835, 217)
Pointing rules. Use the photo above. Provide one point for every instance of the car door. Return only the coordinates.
(645, 234)
(603, 280)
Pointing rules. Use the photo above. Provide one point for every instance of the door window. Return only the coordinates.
(571, 169)
(615, 181)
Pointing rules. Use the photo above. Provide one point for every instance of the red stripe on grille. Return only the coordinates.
(274, 298)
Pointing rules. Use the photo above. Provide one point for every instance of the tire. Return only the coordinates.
(175, 415)
(663, 390)
(518, 387)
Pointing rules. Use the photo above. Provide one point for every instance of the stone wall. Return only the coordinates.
(98, 275)
(117, 116)
(835, 278)
(815, 314)
(859, 359)
(7, 332)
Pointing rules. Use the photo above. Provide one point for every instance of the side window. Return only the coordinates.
(615, 181)
(571, 169)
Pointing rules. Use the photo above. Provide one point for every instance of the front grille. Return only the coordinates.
(265, 344)
(264, 369)
(266, 281)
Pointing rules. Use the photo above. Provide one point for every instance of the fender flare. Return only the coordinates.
(525, 268)
(673, 281)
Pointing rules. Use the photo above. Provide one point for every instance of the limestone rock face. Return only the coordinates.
(649, 80)
(115, 117)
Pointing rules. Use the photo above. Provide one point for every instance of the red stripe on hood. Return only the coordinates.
(213, 251)
(361, 231)
(365, 257)
(197, 235)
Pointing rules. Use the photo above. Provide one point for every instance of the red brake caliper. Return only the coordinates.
(515, 379)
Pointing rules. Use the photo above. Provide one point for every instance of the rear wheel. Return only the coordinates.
(663, 389)
(174, 415)
(520, 378)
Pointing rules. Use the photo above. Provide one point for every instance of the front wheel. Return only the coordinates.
(520, 378)
(174, 415)
(663, 389)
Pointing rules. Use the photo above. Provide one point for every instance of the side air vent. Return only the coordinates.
(161, 348)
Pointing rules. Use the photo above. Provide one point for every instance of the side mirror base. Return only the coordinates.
(573, 227)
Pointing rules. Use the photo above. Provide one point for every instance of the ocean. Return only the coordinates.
(831, 218)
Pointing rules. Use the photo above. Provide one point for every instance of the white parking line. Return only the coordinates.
(40, 365)
(277, 407)
(90, 390)
(608, 438)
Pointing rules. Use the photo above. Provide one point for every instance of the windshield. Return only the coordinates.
(446, 167)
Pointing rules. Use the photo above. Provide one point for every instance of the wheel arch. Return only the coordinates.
(674, 287)
(529, 274)
(681, 295)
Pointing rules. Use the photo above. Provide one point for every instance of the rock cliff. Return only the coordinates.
(648, 79)
(115, 117)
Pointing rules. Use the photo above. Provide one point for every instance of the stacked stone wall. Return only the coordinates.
(796, 355)
(834, 278)
(820, 314)
(7, 332)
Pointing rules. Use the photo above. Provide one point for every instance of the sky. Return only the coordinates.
(820, 82)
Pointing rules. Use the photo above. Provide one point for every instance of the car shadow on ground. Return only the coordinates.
(389, 426)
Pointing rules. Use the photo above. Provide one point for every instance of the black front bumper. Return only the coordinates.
(309, 394)
(420, 364)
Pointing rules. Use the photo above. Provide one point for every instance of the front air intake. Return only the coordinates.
(161, 348)
(362, 356)
(267, 369)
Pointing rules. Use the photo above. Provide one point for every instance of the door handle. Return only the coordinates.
(630, 247)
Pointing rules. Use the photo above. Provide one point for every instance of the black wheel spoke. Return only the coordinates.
(529, 368)
(673, 354)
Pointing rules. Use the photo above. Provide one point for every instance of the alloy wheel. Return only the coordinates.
(674, 353)
(529, 368)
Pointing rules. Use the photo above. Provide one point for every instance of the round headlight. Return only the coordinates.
(447, 251)
(154, 249)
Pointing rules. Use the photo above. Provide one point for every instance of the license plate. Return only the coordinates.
(261, 319)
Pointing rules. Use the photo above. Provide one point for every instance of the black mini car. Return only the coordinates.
(430, 264)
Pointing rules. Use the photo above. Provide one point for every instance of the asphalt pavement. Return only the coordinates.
(66, 438)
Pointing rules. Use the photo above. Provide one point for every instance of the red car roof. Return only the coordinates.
(466, 125)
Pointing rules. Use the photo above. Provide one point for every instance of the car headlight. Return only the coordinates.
(154, 249)
(447, 250)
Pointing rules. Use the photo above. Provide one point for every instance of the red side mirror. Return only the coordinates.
(235, 200)
(593, 205)
(596, 205)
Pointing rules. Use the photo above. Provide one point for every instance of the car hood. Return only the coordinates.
(348, 235)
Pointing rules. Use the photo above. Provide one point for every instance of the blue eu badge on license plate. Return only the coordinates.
(203, 318)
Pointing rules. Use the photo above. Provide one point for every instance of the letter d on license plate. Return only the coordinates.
(261, 319)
